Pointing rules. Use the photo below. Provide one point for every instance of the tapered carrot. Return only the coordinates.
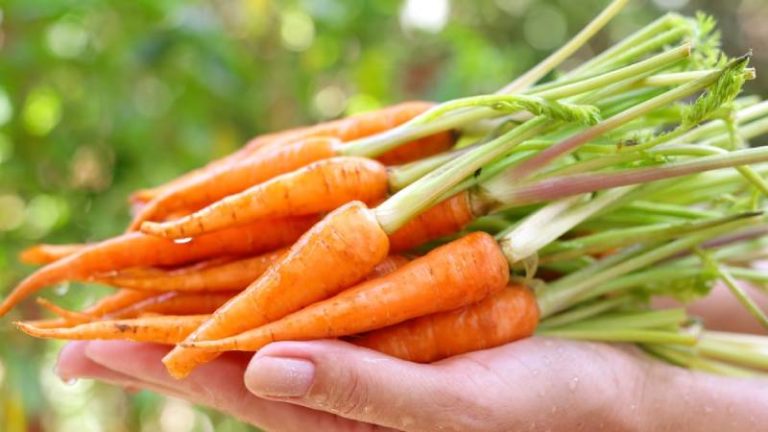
(500, 318)
(137, 249)
(48, 253)
(66, 314)
(319, 187)
(156, 329)
(334, 254)
(51, 323)
(447, 217)
(174, 303)
(281, 156)
(232, 178)
(231, 276)
(451, 276)
(119, 300)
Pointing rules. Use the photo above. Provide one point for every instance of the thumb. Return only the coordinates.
(364, 385)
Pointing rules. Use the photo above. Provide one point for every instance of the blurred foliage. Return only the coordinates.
(98, 98)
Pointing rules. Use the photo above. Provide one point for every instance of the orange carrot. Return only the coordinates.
(173, 303)
(232, 178)
(334, 254)
(503, 317)
(231, 276)
(51, 323)
(137, 249)
(319, 187)
(387, 266)
(119, 300)
(157, 329)
(68, 315)
(451, 276)
(448, 217)
(48, 253)
(260, 162)
(419, 149)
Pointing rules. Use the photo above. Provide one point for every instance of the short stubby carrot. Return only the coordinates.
(337, 252)
(318, 187)
(48, 253)
(229, 276)
(500, 318)
(447, 217)
(175, 303)
(448, 277)
(137, 249)
(166, 329)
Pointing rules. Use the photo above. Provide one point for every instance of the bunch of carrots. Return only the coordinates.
(558, 207)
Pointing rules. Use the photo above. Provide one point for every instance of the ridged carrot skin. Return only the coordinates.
(174, 303)
(139, 250)
(447, 217)
(166, 329)
(230, 276)
(318, 187)
(506, 316)
(337, 252)
(42, 254)
(451, 276)
(228, 179)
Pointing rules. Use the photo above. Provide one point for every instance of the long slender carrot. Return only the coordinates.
(120, 299)
(319, 187)
(51, 323)
(137, 249)
(48, 253)
(68, 315)
(228, 179)
(451, 276)
(500, 318)
(306, 274)
(281, 156)
(156, 329)
(174, 303)
(231, 276)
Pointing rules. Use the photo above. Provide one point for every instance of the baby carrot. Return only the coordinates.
(319, 187)
(137, 249)
(285, 155)
(173, 303)
(48, 253)
(228, 179)
(451, 276)
(156, 329)
(306, 274)
(500, 318)
(230, 276)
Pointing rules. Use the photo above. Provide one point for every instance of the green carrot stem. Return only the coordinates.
(736, 353)
(564, 292)
(560, 187)
(567, 146)
(637, 320)
(553, 60)
(686, 358)
(669, 20)
(621, 335)
(377, 144)
(403, 175)
(584, 312)
(737, 291)
(752, 275)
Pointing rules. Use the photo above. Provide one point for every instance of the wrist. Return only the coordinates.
(673, 398)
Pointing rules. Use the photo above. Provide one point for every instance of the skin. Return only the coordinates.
(534, 384)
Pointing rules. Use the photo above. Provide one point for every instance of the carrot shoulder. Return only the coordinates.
(137, 250)
(333, 255)
(500, 318)
(318, 187)
(451, 276)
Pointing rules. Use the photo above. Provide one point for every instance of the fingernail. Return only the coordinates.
(279, 377)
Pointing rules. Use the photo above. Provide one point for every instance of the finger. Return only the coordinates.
(363, 385)
(218, 384)
(74, 364)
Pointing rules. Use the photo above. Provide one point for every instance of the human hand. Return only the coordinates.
(534, 384)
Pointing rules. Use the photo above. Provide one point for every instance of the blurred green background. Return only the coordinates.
(98, 98)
